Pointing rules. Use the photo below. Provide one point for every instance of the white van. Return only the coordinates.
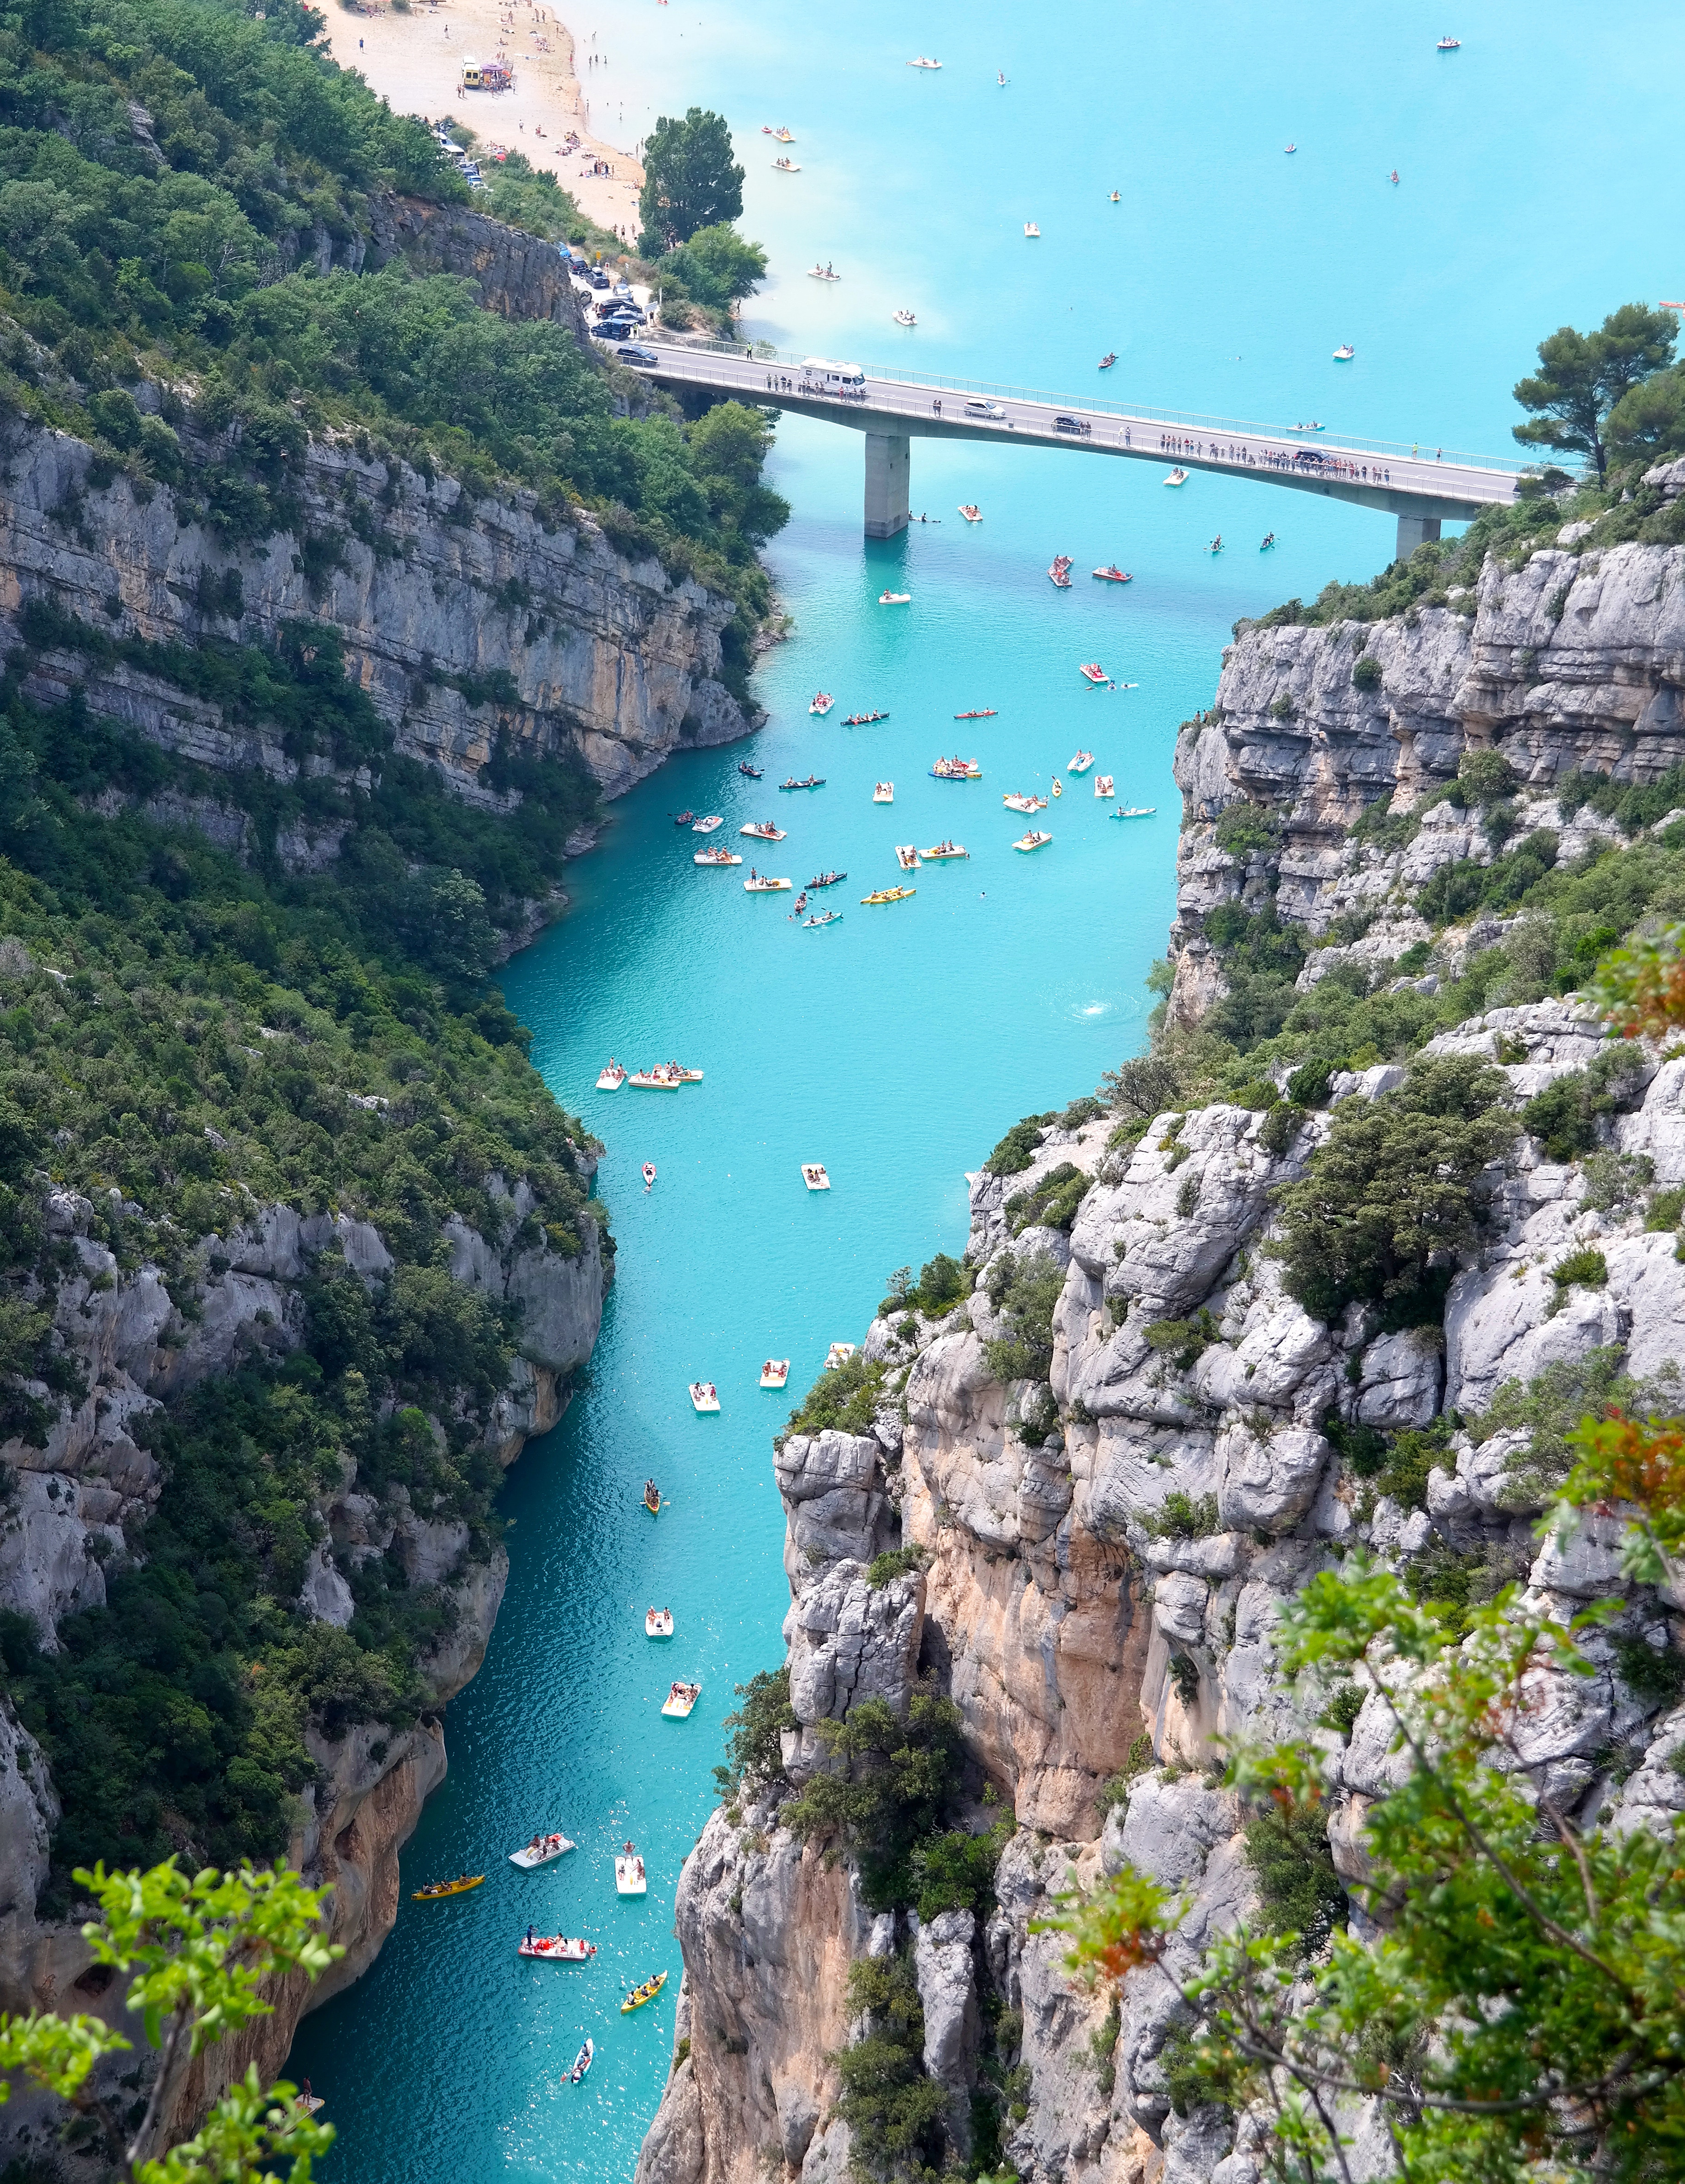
(820, 376)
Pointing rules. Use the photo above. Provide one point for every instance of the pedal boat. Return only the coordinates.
(762, 830)
(614, 1076)
(775, 1373)
(907, 857)
(1081, 762)
(681, 1698)
(1111, 574)
(838, 1354)
(823, 702)
(970, 511)
(1032, 841)
(814, 1176)
(658, 1623)
(709, 825)
(555, 1949)
(894, 598)
(765, 884)
(1177, 476)
(1018, 802)
(944, 852)
(722, 855)
(1102, 786)
(544, 1850)
(883, 791)
(956, 769)
(1091, 671)
(704, 1396)
(630, 1878)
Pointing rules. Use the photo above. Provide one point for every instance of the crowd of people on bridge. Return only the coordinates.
(1278, 458)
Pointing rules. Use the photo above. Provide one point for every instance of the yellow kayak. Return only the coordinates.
(889, 895)
(458, 1887)
(640, 1995)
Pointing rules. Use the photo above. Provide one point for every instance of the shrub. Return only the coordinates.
(902, 1776)
(943, 1281)
(1653, 1674)
(893, 2111)
(1486, 776)
(1186, 1340)
(754, 1739)
(1564, 1116)
(1366, 672)
(1181, 1517)
(1017, 1148)
(1399, 1183)
(845, 1396)
(1308, 1085)
(899, 1562)
(1053, 1202)
(1665, 1209)
(1144, 1086)
(1023, 1293)
(1299, 1892)
(1585, 1268)
(955, 1872)
(1246, 830)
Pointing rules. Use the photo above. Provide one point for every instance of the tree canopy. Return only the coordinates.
(1582, 377)
(691, 180)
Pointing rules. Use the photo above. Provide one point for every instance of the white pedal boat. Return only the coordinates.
(907, 857)
(542, 1850)
(555, 1949)
(681, 1698)
(630, 1878)
(763, 883)
(1081, 762)
(883, 791)
(775, 1373)
(706, 826)
(704, 1395)
(1033, 840)
(814, 1176)
(944, 852)
(838, 1354)
(1102, 785)
(762, 830)
(722, 855)
(658, 1623)
(614, 1076)
(1019, 802)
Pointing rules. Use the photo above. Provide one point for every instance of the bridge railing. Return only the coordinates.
(1184, 421)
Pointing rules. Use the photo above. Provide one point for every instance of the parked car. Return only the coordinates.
(597, 276)
(1079, 426)
(635, 353)
(984, 410)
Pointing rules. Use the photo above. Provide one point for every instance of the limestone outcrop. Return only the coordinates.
(1104, 1552)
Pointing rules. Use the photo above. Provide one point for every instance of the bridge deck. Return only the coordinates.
(1410, 483)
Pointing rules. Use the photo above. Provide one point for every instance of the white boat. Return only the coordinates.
(814, 1176)
(1448, 45)
(722, 855)
(764, 883)
(905, 318)
(704, 1395)
(1081, 762)
(1345, 353)
(658, 1623)
(970, 511)
(542, 1850)
(1017, 802)
(555, 1949)
(826, 918)
(614, 1076)
(762, 830)
(630, 1878)
(922, 62)
(706, 826)
(1177, 476)
(907, 857)
(1031, 232)
(1033, 840)
(822, 273)
(838, 1354)
(786, 167)
(1102, 785)
(775, 1373)
(665, 1077)
(780, 136)
(681, 1698)
(944, 852)
(1135, 811)
(883, 791)
(894, 598)
(581, 2061)
(822, 704)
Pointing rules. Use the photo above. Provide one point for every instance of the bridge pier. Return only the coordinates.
(1414, 531)
(889, 467)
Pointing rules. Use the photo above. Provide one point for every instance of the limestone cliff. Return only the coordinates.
(1105, 1547)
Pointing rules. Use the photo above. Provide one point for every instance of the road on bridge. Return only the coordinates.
(1420, 488)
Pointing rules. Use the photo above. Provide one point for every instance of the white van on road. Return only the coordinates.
(819, 376)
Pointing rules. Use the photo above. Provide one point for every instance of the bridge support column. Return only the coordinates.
(888, 471)
(1414, 531)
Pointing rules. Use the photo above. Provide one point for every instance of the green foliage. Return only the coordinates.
(893, 2110)
(715, 269)
(1397, 1188)
(691, 181)
(1018, 1148)
(1184, 1340)
(1053, 1203)
(1180, 1516)
(1366, 672)
(845, 1396)
(1246, 830)
(1585, 1268)
(1024, 1291)
(955, 1871)
(1299, 1892)
(943, 1282)
(205, 1953)
(1549, 1407)
(1565, 1115)
(1486, 775)
(755, 1729)
(1583, 376)
(1114, 1789)
(1653, 1674)
(1457, 890)
(899, 1562)
(901, 1778)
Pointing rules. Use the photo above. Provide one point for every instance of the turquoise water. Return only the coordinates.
(897, 1046)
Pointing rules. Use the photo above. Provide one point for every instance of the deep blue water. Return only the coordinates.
(1539, 166)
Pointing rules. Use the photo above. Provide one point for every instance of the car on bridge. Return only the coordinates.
(635, 353)
(990, 410)
(1078, 425)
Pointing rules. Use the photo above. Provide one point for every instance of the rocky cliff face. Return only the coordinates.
(79, 1499)
(1104, 1552)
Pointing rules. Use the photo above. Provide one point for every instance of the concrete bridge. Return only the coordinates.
(1423, 487)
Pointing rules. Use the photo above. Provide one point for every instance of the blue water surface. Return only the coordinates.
(1538, 166)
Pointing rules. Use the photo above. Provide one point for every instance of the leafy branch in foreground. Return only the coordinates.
(1523, 2008)
(202, 1950)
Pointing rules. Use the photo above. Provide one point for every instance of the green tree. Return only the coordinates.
(690, 180)
(204, 1952)
(1649, 420)
(717, 266)
(1583, 377)
(898, 1779)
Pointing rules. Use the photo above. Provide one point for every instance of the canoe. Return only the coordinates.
(640, 1995)
(720, 856)
(826, 918)
(612, 1078)
(979, 713)
(826, 879)
(548, 1849)
(1137, 811)
(765, 886)
(704, 1396)
(658, 1623)
(680, 1699)
(941, 855)
(438, 1889)
(907, 857)
(630, 1877)
(883, 791)
(887, 895)
(762, 830)
(814, 1176)
(1057, 789)
(838, 1354)
(555, 1949)
(775, 1373)
(1102, 785)
(652, 1500)
(1032, 841)
(581, 2061)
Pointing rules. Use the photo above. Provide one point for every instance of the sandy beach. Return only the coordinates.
(414, 61)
